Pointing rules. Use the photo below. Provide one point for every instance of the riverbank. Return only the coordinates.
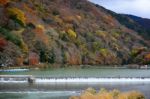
(91, 93)
(53, 66)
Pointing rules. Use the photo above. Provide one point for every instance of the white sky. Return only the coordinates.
(135, 7)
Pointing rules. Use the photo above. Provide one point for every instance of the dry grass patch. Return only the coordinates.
(91, 93)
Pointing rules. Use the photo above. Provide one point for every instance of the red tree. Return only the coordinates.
(33, 59)
(3, 2)
(147, 57)
(3, 43)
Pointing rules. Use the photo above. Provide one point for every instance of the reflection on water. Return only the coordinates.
(83, 73)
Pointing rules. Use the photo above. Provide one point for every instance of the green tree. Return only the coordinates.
(17, 14)
(43, 56)
(42, 49)
(10, 36)
(64, 57)
(51, 56)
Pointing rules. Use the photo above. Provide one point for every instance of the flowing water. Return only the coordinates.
(63, 83)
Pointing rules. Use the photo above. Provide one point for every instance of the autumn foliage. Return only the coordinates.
(72, 33)
(3, 43)
(39, 30)
(147, 57)
(19, 61)
(90, 93)
(17, 14)
(33, 58)
(3, 2)
(68, 32)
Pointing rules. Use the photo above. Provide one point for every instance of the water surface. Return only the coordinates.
(65, 90)
(84, 72)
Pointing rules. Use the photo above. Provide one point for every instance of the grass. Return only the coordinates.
(91, 93)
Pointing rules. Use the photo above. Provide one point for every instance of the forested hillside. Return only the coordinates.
(68, 32)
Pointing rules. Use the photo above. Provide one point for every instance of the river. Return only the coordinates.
(128, 79)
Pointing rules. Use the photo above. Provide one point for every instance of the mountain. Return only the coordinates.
(138, 24)
(70, 32)
(144, 23)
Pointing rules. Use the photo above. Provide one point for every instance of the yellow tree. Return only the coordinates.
(18, 14)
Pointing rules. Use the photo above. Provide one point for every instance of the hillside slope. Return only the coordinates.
(138, 24)
(144, 23)
(65, 32)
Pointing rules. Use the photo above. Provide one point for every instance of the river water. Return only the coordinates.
(73, 82)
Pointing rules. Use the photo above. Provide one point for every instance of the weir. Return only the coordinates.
(17, 78)
(31, 79)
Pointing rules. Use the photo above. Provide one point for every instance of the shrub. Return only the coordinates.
(102, 90)
(90, 90)
(131, 95)
(17, 15)
(115, 94)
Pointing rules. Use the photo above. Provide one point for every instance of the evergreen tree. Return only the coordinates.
(51, 56)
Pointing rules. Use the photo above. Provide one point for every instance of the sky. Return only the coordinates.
(135, 7)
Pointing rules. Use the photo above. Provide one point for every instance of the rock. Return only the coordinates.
(31, 80)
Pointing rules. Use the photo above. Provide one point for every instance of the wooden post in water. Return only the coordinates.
(31, 80)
